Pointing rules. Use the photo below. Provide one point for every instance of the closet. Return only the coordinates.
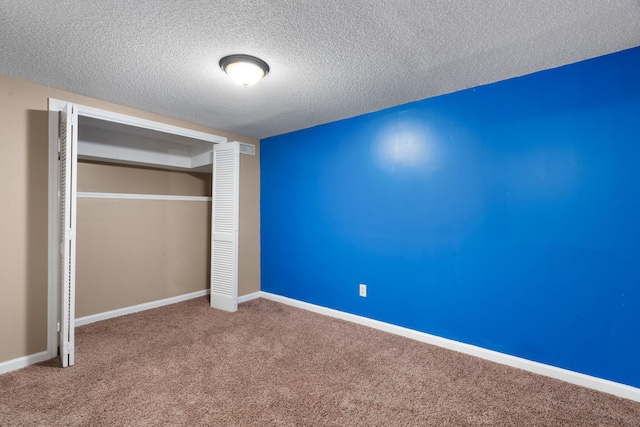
(83, 133)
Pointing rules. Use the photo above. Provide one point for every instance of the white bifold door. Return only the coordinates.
(224, 226)
(68, 189)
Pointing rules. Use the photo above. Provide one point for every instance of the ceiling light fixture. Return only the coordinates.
(244, 69)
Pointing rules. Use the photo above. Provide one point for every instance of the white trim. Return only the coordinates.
(23, 362)
(83, 110)
(249, 297)
(81, 321)
(130, 196)
(54, 237)
(595, 383)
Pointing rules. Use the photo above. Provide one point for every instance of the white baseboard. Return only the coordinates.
(22, 362)
(595, 383)
(249, 297)
(81, 321)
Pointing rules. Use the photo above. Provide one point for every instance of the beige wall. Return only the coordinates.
(249, 224)
(135, 251)
(24, 210)
(114, 178)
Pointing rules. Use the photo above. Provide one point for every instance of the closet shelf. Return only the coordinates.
(105, 140)
(133, 196)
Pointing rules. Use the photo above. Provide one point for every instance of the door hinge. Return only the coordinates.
(69, 234)
(67, 348)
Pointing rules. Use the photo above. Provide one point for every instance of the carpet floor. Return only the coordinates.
(274, 365)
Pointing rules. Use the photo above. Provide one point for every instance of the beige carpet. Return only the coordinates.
(274, 365)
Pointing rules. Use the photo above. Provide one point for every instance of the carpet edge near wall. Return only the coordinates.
(595, 383)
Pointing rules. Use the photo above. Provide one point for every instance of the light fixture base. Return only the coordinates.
(246, 70)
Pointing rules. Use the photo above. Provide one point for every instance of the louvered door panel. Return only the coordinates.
(68, 190)
(224, 226)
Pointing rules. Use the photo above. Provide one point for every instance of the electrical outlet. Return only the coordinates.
(363, 290)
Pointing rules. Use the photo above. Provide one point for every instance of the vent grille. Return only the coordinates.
(247, 148)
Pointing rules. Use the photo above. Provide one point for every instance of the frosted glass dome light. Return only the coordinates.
(244, 69)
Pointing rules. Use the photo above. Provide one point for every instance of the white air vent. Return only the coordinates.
(247, 148)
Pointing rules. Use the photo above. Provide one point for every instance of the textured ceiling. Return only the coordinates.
(329, 59)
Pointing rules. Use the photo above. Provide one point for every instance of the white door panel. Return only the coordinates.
(224, 226)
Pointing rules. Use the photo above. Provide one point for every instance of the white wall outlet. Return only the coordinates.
(363, 290)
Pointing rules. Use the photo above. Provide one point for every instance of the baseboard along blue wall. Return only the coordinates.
(505, 216)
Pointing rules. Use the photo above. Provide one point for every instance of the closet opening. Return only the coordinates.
(140, 212)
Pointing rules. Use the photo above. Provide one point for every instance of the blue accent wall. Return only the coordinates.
(505, 216)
